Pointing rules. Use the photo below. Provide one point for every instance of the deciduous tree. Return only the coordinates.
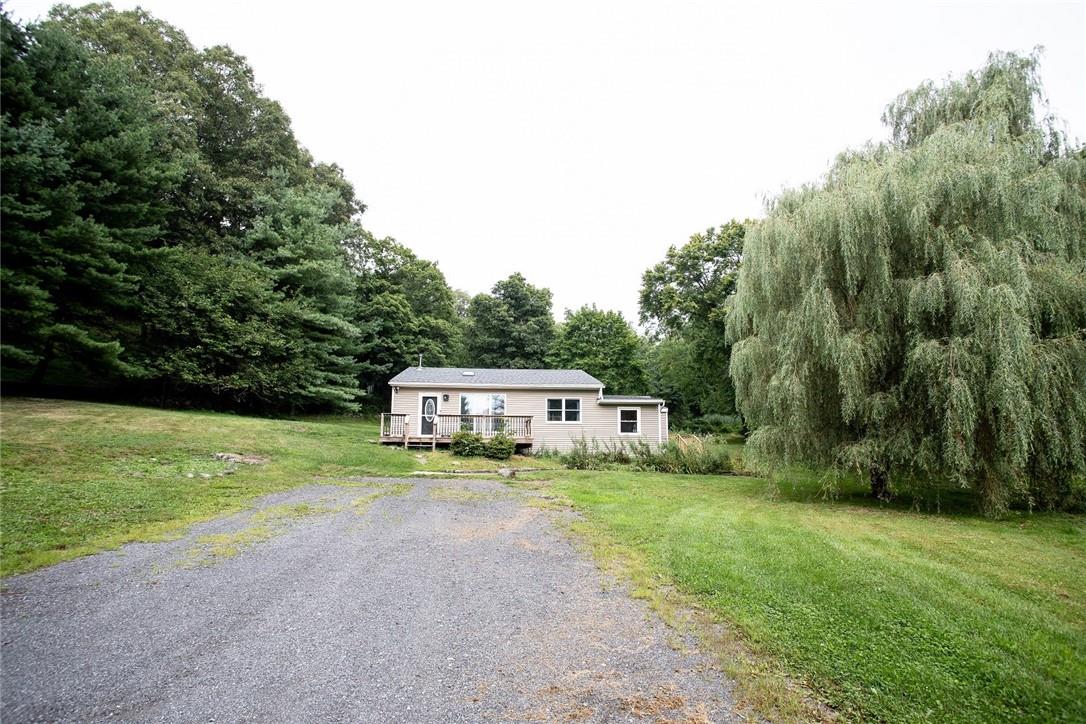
(683, 303)
(602, 344)
(405, 308)
(510, 327)
(920, 314)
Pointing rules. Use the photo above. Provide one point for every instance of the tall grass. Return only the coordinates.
(684, 454)
(591, 455)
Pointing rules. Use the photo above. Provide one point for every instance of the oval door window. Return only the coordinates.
(429, 410)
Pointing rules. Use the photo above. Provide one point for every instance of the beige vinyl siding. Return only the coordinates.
(599, 422)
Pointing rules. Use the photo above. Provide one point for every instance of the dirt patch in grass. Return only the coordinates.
(493, 528)
(242, 459)
(167, 467)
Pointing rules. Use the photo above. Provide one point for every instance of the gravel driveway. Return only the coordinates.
(420, 600)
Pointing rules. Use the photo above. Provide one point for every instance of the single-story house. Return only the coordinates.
(539, 408)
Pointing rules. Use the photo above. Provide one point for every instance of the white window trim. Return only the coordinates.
(437, 410)
(618, 421)
(460, 401)
(490, 413)
(564, 421)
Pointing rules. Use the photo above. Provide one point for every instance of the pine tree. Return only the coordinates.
(308, 265)
(84, 173)
(218, 333)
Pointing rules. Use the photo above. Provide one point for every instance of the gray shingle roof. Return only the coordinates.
(494, 377)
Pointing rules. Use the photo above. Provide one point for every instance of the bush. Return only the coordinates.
(500, 447)
(1075, 502)
(467, 444)
(684, 454)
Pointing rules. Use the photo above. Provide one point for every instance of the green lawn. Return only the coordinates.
(885, 613)
(79, 477)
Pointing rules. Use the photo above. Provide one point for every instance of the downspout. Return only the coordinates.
(660, 425)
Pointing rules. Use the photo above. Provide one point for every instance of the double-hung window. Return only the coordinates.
(629, 420)
(564, 409)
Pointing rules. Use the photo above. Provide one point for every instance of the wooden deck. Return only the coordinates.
(398, 429)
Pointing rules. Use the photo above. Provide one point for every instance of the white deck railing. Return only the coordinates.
(515, 426)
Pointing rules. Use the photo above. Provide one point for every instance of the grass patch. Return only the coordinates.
(887, 613)
(211, 548)
(84, 477)
(762, 682)
(362, 503)
(291, 511)
(463, 495)
(270, 522)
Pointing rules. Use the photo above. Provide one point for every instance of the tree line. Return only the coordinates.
(917, 316)
(164, 234)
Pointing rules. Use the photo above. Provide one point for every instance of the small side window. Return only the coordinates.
(563, 409)
(629, 421)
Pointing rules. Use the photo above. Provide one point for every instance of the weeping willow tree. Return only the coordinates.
(919, 315)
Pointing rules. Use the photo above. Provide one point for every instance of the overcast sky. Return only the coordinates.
(575, 142)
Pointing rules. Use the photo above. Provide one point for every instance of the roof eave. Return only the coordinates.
(492, 386)
(637, 401)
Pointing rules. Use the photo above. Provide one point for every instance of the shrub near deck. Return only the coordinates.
(890, 614)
